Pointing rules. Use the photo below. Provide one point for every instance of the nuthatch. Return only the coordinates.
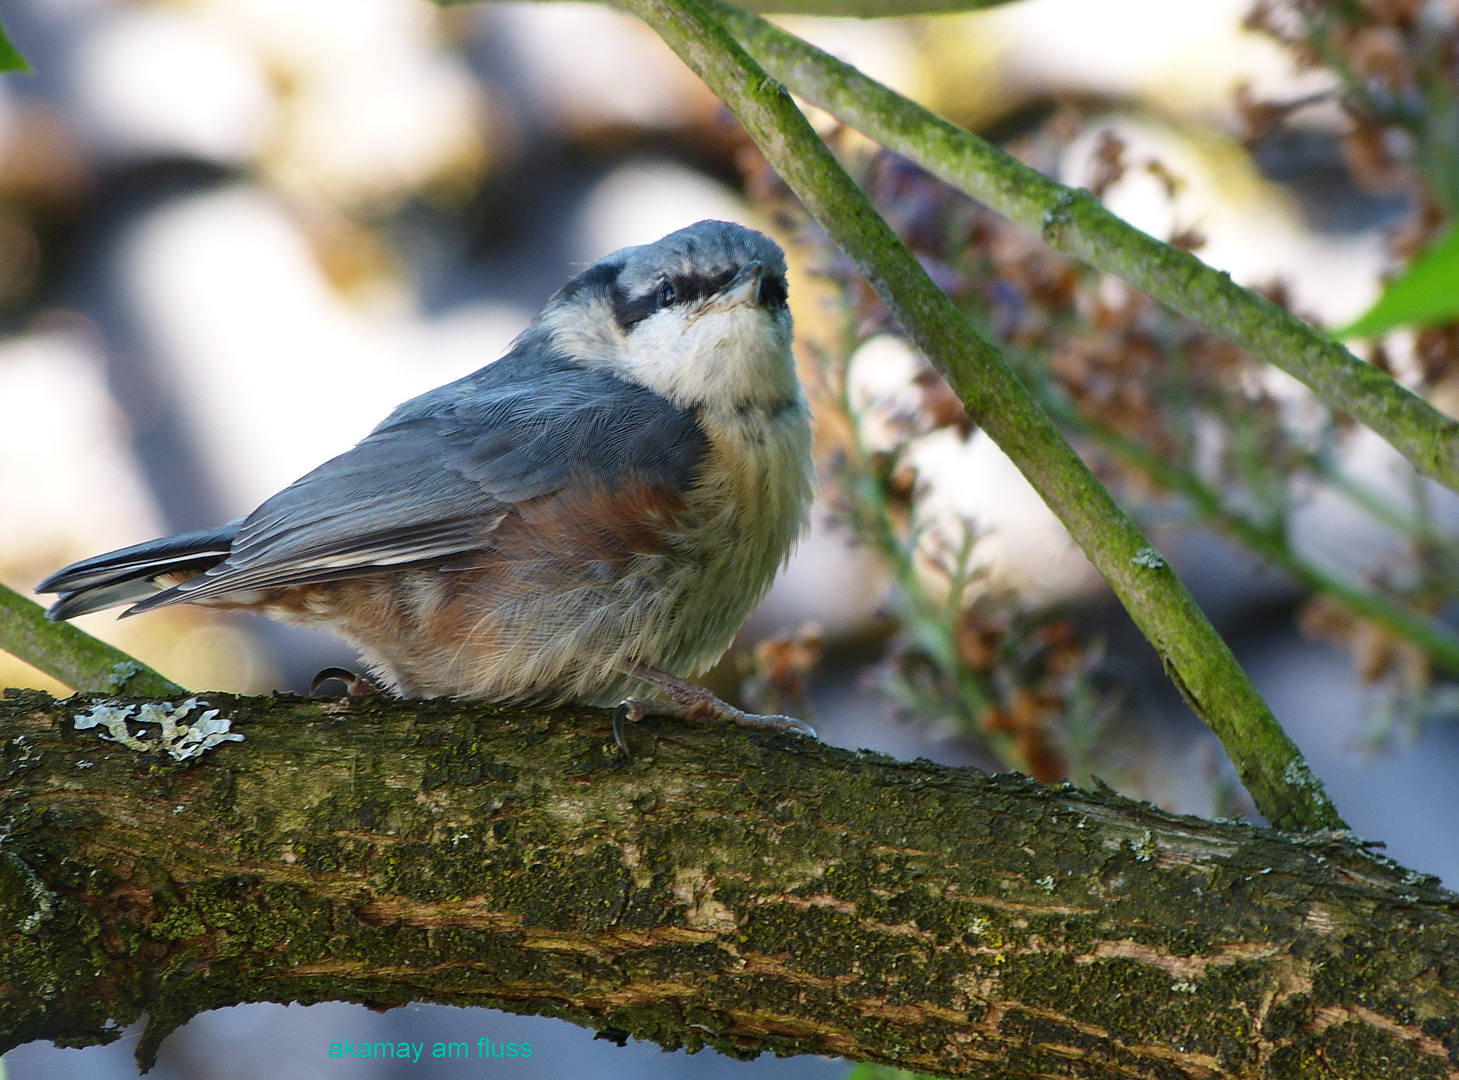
(598, 510)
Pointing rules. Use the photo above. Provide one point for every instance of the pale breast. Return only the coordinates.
(748, 506)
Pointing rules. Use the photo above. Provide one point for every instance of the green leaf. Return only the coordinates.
(10, 58)
(1424, 294)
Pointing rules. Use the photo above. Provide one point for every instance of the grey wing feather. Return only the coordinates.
(440, 472)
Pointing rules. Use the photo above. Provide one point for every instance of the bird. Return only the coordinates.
(589, 519)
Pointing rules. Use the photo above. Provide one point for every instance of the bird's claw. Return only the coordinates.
(774, 723)
(355, 685)
(800, 727)
(628, 709)
(635, 709)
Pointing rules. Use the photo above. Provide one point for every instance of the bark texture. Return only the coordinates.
(750, 893)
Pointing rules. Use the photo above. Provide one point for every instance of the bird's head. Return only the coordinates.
(699, 317)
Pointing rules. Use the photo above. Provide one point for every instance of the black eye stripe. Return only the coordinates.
(632, 310)
(697, 286)
(629, 311)
(773, 292)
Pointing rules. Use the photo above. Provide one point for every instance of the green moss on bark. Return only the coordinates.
(753, 894)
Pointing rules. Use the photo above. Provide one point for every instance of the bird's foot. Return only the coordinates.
(683, 700)
(354, 685)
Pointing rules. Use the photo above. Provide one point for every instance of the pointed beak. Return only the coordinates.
(742, 288)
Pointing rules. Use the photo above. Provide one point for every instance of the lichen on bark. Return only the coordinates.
(749, 893)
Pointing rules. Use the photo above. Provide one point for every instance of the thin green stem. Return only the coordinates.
(1076, 223)
(856, 9)
(1371, 502)
(1198, 661)
(870, 9)
(73, 656)
(1355, 87)
(1436, 640)
(928, 622)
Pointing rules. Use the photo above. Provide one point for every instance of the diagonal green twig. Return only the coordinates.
(82, 662)
(1199, 662)
(1076, 223)
(10, 58)
(1169, 274)
(1433, 638)
(870, 9)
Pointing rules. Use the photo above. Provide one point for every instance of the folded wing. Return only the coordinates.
(431, 483)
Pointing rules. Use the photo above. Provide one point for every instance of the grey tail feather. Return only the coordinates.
(130, 574)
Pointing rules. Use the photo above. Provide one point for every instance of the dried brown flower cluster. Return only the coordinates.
(976, 658)
(1097, 350)
(782, 666)
(1397, 65)
(1177, 420)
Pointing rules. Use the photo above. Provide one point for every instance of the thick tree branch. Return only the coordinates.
(73, 656)
(745, 892)
(1198, 661)
(1077, 224)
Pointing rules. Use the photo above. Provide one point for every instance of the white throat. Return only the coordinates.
(720, 359)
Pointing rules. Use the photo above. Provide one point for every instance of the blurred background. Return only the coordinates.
(235, 233)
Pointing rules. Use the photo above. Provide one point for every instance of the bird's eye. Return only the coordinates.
(667, 295)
